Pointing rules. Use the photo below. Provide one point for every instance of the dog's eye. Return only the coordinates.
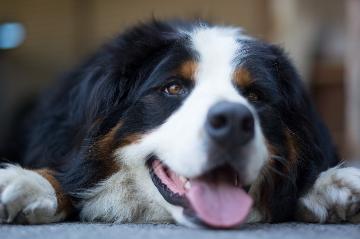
(252, 96)
(174, 89)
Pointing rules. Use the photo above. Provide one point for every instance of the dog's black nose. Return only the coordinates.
(230, 124)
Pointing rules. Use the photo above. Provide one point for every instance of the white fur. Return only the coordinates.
(181, 141)
(334, 197)
(25, 191)
(127, 196)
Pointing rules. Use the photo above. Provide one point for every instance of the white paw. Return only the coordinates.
(334, 198)
(25, 197)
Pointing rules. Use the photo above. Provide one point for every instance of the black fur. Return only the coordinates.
(122, 82)
(285, 105)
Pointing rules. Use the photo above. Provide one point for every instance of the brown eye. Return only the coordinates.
(252, 96)
(174, 89)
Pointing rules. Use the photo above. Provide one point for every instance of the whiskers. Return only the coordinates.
(284, 164)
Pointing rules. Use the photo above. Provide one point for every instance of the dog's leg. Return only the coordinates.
(334, 198)
(30, 196)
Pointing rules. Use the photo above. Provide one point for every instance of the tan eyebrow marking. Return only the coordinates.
(187, 69)
(242, 77)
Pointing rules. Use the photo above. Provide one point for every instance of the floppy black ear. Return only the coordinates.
(291, 86)
(104, 89)
(115, 71)
(300, 113)
(311, 147)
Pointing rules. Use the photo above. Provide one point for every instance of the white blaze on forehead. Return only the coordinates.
(181, 142)
(217, 49)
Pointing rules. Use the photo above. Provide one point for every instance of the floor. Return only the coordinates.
(109, 231)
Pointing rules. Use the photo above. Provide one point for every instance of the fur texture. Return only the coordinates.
(97, 128)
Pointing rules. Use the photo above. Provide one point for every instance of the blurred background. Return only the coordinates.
(41, 39)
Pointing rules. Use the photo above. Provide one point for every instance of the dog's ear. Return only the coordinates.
(299, 112)
(117, 68)
(138, 43)
(292, 88)
(310, 143)
(105, 86)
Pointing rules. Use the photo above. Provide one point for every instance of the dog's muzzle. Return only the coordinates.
(218, 197)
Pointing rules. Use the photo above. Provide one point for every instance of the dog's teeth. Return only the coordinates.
(187, 185)
(236, 181)
(183, 179)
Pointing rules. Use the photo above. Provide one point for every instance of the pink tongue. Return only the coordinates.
(219, 204)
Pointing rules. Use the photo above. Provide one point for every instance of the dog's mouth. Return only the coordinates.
(216, 198)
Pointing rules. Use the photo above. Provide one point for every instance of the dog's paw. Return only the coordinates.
(25, 197)
(334, 198)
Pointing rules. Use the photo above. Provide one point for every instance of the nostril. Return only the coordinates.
(218, 121)
(247, 124)
(230, 124)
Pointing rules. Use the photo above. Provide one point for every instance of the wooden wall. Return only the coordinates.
(61, 33)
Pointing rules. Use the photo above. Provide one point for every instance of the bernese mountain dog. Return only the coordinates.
(176, 121)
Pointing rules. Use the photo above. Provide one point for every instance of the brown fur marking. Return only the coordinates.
(103, 153)
(130, 139)
(292, 148)
(107, 142)
(270, 179)
(187, 70)
(64, 201)
(104, 149)
(242, 78)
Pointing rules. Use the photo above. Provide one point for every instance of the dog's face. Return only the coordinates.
(204, 142)
(206, 111)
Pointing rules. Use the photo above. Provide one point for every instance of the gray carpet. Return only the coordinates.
(108, 231)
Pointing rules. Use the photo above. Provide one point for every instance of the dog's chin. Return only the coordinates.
(215, 199)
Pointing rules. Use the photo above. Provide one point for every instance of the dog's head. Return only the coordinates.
(198, 114)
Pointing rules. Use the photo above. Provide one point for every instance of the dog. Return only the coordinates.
(177, 121)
